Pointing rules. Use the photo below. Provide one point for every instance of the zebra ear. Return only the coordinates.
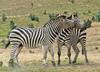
(70, 17)
(63, 16)
(75, 15)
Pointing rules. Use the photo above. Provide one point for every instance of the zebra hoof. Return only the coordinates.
(45, 65)
(12, 64)
(70, 62)
(74, 62)
(58, 64)
(87, 62)
(53, 63)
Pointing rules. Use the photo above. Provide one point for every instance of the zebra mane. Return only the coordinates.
(52, 21)
(46, 24)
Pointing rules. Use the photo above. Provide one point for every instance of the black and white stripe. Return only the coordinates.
(71, 37)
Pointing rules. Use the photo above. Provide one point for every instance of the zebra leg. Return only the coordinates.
(76, 50)
(12, 59)
(51, 50)
(69, 53)
(59, 53)
(44, 50)
(86, 59)
(17, 53)
(84, 51)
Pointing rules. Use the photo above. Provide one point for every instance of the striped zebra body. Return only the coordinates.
(71, 37)
(27, 37)
(31, 37)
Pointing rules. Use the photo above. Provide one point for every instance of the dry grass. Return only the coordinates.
(32, 62)
(93, 36)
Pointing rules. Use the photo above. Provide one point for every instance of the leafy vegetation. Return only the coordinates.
(34, 18)
(97, 16)
(12, 25)
(87, 23)
(4, 18)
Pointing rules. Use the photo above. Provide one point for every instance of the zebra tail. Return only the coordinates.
(7, 44)
(8, 41)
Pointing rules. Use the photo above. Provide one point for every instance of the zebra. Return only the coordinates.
(30, 37)
(70, 38)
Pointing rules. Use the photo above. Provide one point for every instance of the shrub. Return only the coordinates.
(87, 23)
(65, 12)
(4, 17)
(34, 18)
(12, 25)
(72, 1)
(31, 4)
(93, 18)
(89, 11)
(84, 13)
(97, 16)
(31, 25)
(45, 12)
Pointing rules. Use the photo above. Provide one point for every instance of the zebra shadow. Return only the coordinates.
(80, 64)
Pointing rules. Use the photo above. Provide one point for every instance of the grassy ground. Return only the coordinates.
(32, 62)
(18, 11)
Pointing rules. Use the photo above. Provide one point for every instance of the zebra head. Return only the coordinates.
(75, 20)
(63, 21)
(69, 22)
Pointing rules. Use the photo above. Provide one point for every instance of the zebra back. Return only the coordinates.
(72, 35)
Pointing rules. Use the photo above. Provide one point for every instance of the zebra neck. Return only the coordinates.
(53, 32)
